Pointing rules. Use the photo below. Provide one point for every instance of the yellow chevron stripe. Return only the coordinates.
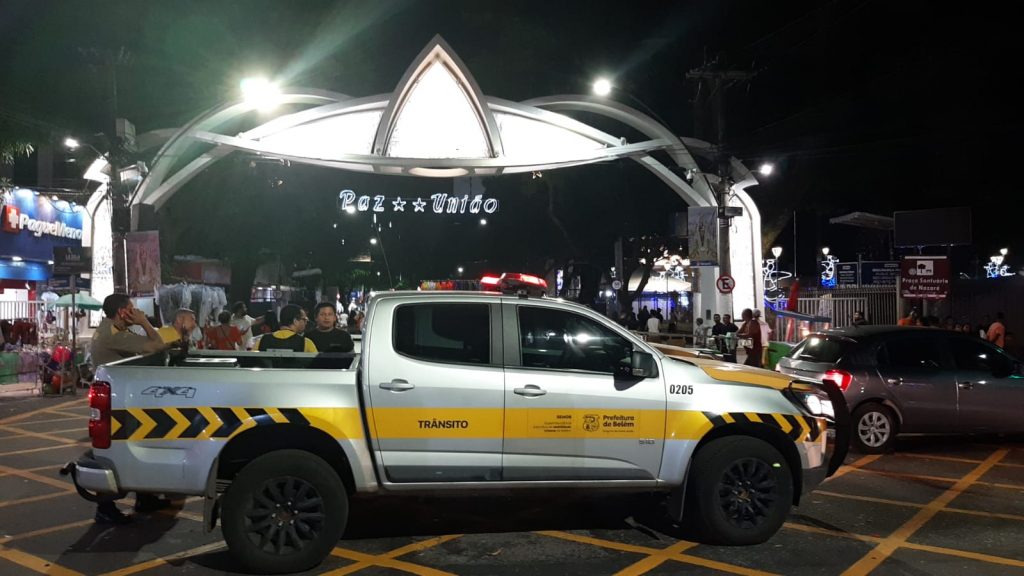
(180, 423)
(728, 418)
(212, 419)
(752, 416)
(783, 423)
(340, 423)
(247, 421)
(146, 424)
(276, 415)
(115, 425)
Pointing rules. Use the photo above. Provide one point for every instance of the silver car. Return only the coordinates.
(913, 380)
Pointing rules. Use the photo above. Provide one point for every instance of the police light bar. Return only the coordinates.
(522, 284)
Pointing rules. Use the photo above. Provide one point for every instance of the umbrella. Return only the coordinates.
(83, 301)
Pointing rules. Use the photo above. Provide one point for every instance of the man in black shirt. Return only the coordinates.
(718, 329)
(327, 336)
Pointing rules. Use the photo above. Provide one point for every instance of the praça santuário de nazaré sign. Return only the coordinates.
(33, 225)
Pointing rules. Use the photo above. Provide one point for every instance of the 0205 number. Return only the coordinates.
(680, 389)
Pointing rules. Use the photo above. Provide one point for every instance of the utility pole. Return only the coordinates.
(713, 80)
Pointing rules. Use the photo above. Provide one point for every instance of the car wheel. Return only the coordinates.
(284, 512)
(740, 492)
(874, 428)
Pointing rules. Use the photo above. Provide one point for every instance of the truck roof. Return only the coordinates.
(473, 295)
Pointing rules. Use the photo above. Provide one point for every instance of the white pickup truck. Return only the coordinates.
(454, 391)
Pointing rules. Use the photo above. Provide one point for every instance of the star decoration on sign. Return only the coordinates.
(399, 205)
(418, 205)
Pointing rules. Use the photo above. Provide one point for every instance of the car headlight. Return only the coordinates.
(812, 399)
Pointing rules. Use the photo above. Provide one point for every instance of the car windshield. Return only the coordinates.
(817, 348)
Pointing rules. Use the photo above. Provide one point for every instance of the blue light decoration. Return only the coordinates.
(828, 271)
(996, 269)
(772, 277)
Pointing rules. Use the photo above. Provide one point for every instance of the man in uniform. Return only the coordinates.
(289, 337)
(327, 337)
(113, 341)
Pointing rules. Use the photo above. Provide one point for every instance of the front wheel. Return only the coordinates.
(874, 428)
(284, 512)
(740, 491)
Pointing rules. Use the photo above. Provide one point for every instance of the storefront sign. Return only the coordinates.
(438, 204)
(33, 225)
(879, 273)
(846, 273)
(72, 260)
(924, 277)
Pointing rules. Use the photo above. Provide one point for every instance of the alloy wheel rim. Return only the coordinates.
(747, 492)
(874, 429)
(284, 515)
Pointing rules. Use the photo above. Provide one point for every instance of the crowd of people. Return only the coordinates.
(992, 330)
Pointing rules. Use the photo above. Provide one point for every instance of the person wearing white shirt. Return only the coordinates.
(653, 324)
(240, 319)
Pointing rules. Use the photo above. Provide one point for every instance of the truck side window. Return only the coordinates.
(457, 333)
(562, 340)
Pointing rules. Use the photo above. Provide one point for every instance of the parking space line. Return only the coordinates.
(43, 449)
(65, 419)
(828, 532)
(940, 478)
(1010, 464)
(20, 417)
(654, 560)
(937, 457)
(35, 477)
(886, 547)
(721, 566)
(981, 513)
(21, 432)
(43, 531)
(35, 563)
(142, 566)
(70, 414)
(965, 554)
(388, 559)
(860, 462)
(684, 558)
(29, 500)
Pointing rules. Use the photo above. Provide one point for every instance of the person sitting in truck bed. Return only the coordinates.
(326, 336)
(289, 337)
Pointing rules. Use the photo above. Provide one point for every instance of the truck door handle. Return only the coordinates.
(530, 391)
(895, 381)
(397, 385)
(965, 385)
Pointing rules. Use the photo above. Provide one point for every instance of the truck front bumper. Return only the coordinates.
(93, 479)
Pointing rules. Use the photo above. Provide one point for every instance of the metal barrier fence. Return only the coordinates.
(877, 303)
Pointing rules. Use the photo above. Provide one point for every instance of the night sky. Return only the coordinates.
(872, 106)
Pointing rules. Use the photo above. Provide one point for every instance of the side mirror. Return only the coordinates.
(643, 365)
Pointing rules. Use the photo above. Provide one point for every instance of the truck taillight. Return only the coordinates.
(99, 414)
(841, 378)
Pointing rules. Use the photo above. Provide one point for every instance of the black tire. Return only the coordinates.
(873, 428)
(266, 492)
(740, 491)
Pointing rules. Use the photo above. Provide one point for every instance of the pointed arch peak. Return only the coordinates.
(438, 97)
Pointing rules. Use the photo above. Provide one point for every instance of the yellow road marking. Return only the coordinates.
(35, 563)
(65, 419)
(965, 554)
(36, 477)
(5, 504)
(827, 532)
(939, 479)
(387, 560)
(886, 547)
(654, 560)
(63, 413)
(20, 417)
(684, 558)
(944, 458)
(40, 435)
(199, 550)
(43, 531)
(980, 513)
(862, 461)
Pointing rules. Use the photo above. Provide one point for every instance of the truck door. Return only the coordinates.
(567, 416)
(436, 388)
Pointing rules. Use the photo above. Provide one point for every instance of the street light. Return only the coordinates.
(766, 169)
(483, 221)
(1003, 251)
(71, 143)
(461, 270)
(373, 241)
(261, 93)
(602, 87)
(824, 251)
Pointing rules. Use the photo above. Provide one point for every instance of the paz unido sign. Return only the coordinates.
(441, 203)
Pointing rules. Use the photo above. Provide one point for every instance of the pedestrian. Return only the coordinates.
(224, 336)
(293, 323)
(730, 326)
(766, 334)
(653, 324)
(983, 327)
(912, 319)
(657, 314)
(327, 337)
(859, 319)
(240, 319)
(270, 323)
(113, 341)
(643, 316)
(996, 333)
(179, 333)
(750, 333)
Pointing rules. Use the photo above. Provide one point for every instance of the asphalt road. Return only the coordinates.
(937, 506)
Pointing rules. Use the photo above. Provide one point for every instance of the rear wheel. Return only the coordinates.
(874, 428)
(284, 512)
(740, 492)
